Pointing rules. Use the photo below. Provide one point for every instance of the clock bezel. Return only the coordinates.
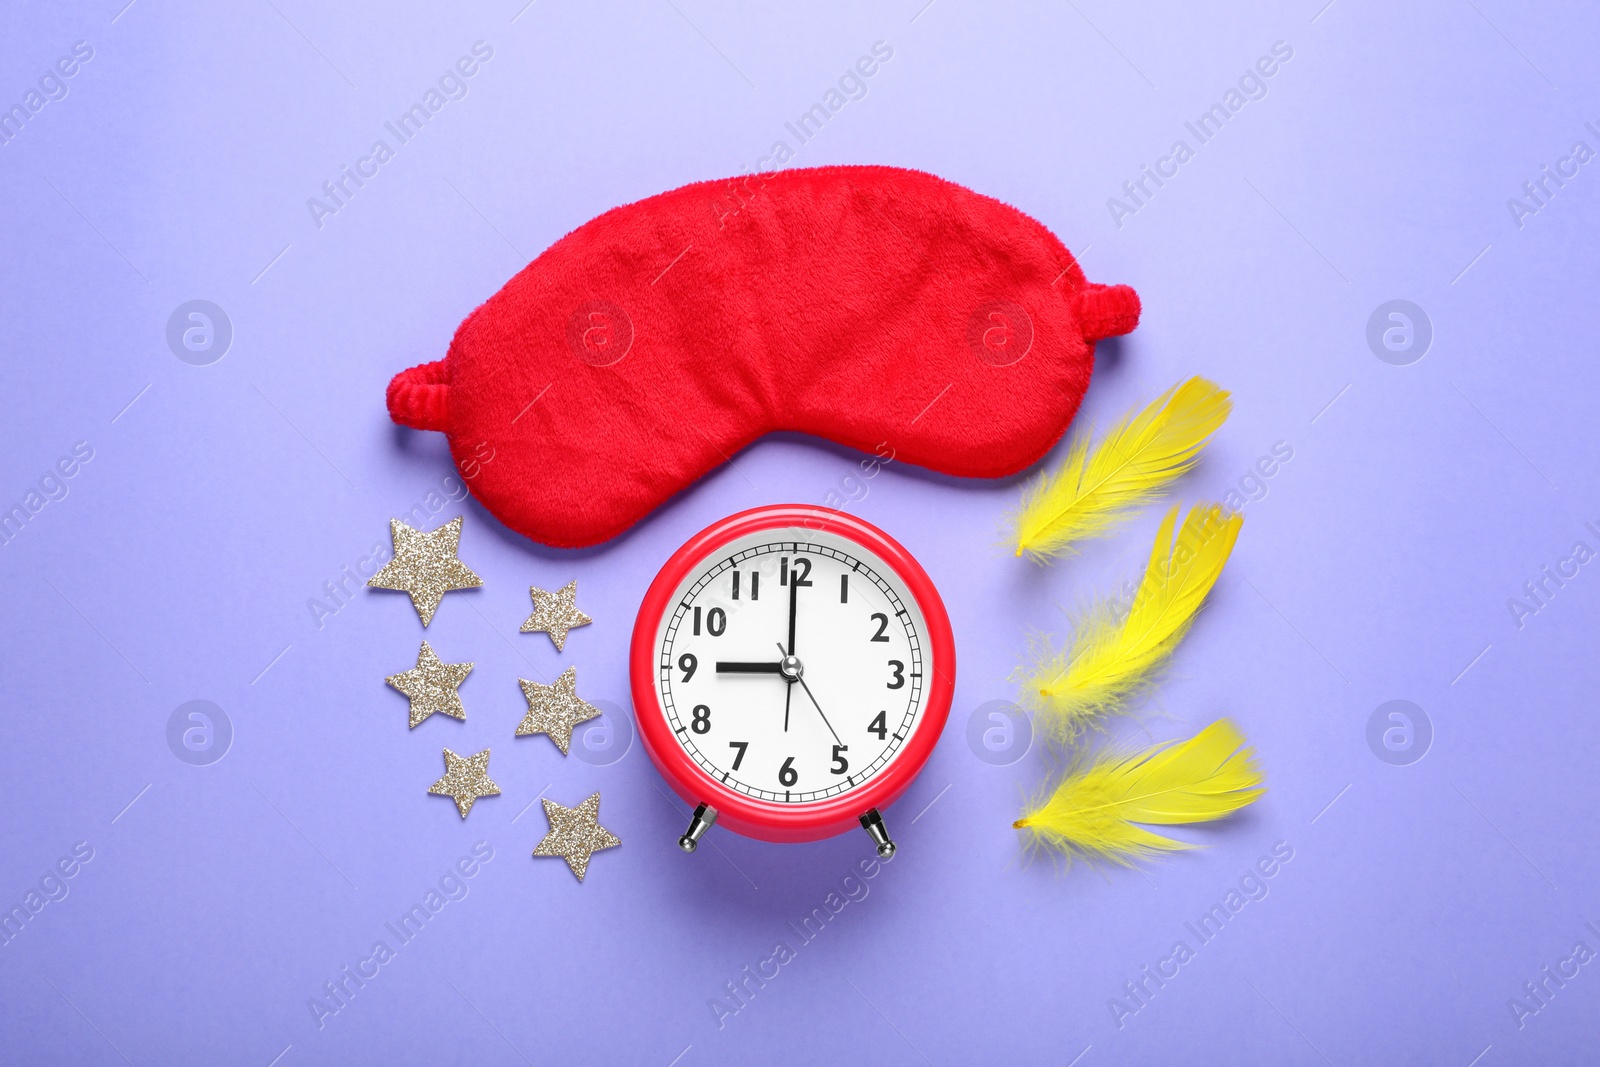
(750, 816)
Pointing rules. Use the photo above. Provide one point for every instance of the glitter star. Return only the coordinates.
(555, 709)
(425, 565)
(555, 613)
(575, 834)
(431, 686)
(466, 778)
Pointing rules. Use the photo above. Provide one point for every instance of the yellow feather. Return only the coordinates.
(1093, 491)
(1112, 658)
(1096, 810)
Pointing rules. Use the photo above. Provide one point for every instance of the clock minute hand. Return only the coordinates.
(794, 588)
(727, 667)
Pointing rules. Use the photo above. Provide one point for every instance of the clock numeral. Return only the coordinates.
(802, 572)
(716, 621)
(879, 726)
(741, 746)
(899, 679)
(687, 664)
(878, 616)
(700, 722)
(840, 764)
(787, 775)
(755, 585)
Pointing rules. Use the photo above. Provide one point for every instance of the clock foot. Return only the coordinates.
(704, 816)
(872, 823)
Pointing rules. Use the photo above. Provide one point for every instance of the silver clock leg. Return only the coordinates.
(872, 823)
(704, 817)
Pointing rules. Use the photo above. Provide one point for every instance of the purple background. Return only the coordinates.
(1377, 566)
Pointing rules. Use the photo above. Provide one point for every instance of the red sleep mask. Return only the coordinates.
(860, 304)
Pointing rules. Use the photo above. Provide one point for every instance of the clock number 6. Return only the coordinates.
(840, 764)
(899, 680)
(787, 775)
(701, 721)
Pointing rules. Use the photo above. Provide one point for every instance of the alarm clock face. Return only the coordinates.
(796, 678)
(793, 711)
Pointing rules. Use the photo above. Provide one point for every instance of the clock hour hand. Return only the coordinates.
(726, 667)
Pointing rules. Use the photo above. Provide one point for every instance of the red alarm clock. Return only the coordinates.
(792, 668)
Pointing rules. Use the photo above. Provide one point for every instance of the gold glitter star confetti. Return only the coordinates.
(555, 709)
(555, 613)
(431, 686)
(466, 778)
(425, 565)
(575, 834)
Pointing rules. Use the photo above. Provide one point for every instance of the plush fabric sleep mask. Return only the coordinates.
(870, 306)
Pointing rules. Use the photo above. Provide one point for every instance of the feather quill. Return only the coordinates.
(1113, 656)
(1095, 489)
(1097, 810)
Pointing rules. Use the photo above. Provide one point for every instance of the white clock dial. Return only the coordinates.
(792, 715)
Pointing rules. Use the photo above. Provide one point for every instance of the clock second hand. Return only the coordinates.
(802, 680)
